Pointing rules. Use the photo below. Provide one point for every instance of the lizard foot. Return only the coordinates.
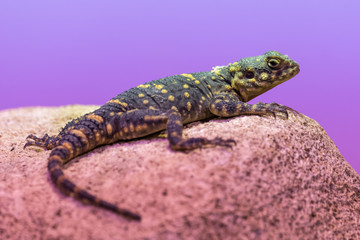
(45, 142)
(280, 111)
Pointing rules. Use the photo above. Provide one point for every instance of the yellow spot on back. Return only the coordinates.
(213, 108)
(154, 118)
(217, 71)
(117, 101)
(228, 87)
(140, 128)
(186, 86)
(152, 108)
(197, 82)
(131, 127)
(124, 104)
(109, 128)
(112, 114)
(119, 113)
(235, 68)
(141, 95)
(97, 136)
(159, 86)
(95, 117)
(145, 101)
(188, 75)
(186, 94)
(171, 98)
(143, 86)
(188, 105)
(125, 130)
(213, 78)
(209, 86)
(224, 110)
(203, 98)
(114, 101)
(164, 91)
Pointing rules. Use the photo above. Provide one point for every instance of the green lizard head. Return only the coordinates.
(255, 75)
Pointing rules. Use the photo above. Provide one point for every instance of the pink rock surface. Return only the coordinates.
(285, 179)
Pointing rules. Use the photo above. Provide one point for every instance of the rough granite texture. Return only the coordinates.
(285, 179)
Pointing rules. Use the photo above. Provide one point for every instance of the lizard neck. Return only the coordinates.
(223, 73)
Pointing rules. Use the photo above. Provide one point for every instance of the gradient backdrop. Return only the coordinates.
(56, 53)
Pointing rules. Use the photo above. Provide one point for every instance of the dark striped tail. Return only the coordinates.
(58, 157)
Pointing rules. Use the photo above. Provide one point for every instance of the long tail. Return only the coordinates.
(63, 153)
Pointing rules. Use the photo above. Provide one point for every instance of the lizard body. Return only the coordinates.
(167, 103)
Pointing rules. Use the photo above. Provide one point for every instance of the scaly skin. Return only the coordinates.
(167, 103)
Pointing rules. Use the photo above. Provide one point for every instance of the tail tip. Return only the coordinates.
(130, 215)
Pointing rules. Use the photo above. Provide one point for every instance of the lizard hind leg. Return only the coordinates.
(45, 142)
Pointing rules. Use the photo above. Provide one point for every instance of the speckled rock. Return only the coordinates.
(285, 179)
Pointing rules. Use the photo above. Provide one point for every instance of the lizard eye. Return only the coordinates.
(249, 75)
(273, 63)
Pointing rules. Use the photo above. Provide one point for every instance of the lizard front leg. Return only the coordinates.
(227, 105)
(174, 130)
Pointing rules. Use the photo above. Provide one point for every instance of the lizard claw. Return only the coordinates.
(282, 111)
(228, 143)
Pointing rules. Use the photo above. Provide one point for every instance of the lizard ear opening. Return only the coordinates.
(249, 74)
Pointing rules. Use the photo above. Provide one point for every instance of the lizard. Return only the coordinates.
(167, 104)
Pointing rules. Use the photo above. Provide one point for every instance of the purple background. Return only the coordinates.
(85, 52)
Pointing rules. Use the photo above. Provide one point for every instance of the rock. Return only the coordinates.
(285, 179)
